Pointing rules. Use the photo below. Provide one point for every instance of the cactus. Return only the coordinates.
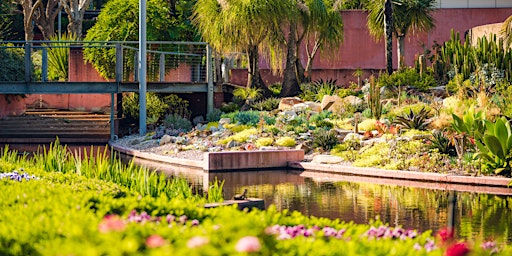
(374, 103)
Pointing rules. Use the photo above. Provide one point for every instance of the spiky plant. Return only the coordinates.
(418, 121)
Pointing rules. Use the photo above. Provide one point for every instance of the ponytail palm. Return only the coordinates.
(240, 26)
(408, 15)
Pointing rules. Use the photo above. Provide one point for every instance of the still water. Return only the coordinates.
(422, 206)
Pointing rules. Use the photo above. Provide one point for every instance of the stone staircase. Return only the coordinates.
(42, 126)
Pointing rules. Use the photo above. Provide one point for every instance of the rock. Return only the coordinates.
(288, 102)
(327, 159)
(180, 140)
(303, 147)
(198, 120)
(135, 141)
(353, 100)
(232, 144)
(268, 148)
(331, 103)
(164, 140)
(370, 142)
(353, 136)
(224, 121)
(439, 91)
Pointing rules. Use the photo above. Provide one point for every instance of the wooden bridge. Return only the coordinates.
(173, 67)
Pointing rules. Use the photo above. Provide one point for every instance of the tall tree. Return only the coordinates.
(408, 15)
(42, 13)
(75, 9)
(241, 26)
(317, 24)
(324, 33)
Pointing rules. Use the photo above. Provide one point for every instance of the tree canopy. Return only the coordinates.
(408, 15)
(119, 21)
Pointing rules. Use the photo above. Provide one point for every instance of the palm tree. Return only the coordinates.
(317, 25)
(506, 31)
(408, 15)
(241, 26)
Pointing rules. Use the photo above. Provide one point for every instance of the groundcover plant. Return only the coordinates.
(63, 212)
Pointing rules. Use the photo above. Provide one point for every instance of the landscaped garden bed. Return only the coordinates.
(59, 203)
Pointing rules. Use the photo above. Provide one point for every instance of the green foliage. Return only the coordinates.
(275, 88)
(230, 107)
(286, 141)
(319, 119)
(496, 149)
(414, 120)
(242, 136)
(154, 105)
(268, 104)
(215, 191)
(406, 77)
(214, 115)
(318, 89)
(325, 139)
(455, 57)
(471, 123)
(440, 142)
(263, 142)
(247, 93)
(367, 125)
(58, 57)
(12, 63)
(374, 104)
(175, 121)
(247, 117)
(176, 105)
(118, 21)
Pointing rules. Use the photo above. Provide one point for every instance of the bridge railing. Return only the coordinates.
(71, 61)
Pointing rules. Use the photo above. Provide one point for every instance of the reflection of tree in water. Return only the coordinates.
(478, 215)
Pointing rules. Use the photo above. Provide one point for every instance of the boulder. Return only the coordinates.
(288, 103)
(331, 103)
(164, 140)
(353, 100)
(327, 159)
(224, 121)
(232, 144)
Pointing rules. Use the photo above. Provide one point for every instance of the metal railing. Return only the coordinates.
(62, 67)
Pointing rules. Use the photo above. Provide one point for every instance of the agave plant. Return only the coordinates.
(496, 149)
(442, 143)
(418, 121)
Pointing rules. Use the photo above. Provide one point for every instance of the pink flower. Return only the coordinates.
(445, 234)
(111, 223)
(248, 244)
(458, 249)
(197, 241)
(154, 241)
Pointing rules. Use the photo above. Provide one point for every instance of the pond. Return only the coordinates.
(350, 198)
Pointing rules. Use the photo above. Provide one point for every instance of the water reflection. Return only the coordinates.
(417, 205)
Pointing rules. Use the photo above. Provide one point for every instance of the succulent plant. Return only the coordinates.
(418, 121)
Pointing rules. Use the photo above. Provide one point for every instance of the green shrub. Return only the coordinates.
(214, 115)
(324, 139)
(175, 121)
(263, 142)
(242, 136)
(275, 88)
(230, 107)
(176, 105)
(286, 141)
(12, 63)
(414, 120)
(268, 104)
(247, 117)
(367, 125)
(154, 105)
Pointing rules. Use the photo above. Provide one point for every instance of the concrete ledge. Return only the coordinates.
(155, 157)
(403, 175)
(257, 159)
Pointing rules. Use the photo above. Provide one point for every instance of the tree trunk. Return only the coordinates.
(254, 79)
(75, 10)
(45, 17)
(400, 45)
(28, 16)
(290, 83)
(388, 31)
(311, 57)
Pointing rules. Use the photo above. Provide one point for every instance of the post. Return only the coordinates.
(112, 117)
(119, 63)
(142, 67)
(44, 64)
(28, 62)
(209, 78)
(388, 34)
(162, 67)
(136, 68)
(452, 206)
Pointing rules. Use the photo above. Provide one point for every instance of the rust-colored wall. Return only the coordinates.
(359, 50)
(79, 71)
(11, 105)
